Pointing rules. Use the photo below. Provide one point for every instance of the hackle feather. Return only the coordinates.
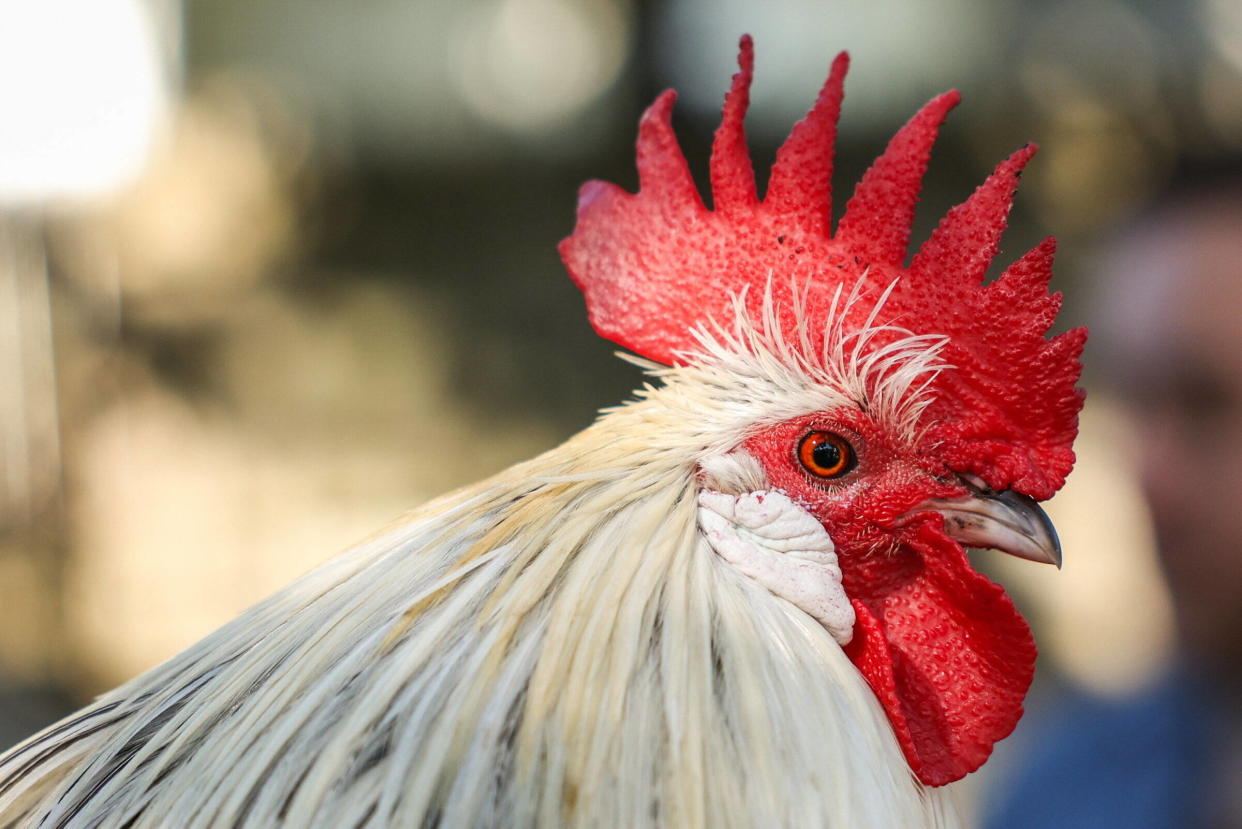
(554, 646)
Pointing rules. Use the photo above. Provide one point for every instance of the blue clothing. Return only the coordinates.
(1138, 763)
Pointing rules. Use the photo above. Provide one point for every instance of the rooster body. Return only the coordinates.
(740, 599)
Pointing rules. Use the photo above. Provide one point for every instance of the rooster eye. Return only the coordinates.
(826, 455)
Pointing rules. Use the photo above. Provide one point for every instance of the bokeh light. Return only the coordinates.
(86, 88)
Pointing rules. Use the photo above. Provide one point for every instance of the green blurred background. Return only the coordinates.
(272, 272)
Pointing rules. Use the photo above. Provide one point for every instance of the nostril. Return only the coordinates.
(975, 483)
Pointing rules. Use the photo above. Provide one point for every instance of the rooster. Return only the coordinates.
(742, 598)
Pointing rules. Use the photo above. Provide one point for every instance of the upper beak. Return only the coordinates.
(1006, 521)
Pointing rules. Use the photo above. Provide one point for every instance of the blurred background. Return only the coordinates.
(272, 272)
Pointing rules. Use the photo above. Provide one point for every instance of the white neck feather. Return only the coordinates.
(557, 645)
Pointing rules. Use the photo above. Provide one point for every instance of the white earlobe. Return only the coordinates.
(783, 548)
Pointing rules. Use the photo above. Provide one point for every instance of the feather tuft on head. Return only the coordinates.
(657, 264)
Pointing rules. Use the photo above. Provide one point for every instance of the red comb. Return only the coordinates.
(655, 264)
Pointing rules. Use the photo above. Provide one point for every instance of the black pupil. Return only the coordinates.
(826, 455)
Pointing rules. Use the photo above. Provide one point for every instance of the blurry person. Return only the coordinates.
(1167, 336)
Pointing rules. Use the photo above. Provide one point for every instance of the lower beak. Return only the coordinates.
(1005, 521)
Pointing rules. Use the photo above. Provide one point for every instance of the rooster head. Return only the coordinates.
(925, 411)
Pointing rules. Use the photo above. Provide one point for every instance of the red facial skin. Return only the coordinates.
(943, 647)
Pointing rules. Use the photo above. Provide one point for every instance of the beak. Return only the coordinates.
(1005, 521)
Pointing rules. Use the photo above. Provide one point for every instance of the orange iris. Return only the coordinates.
(825, 454)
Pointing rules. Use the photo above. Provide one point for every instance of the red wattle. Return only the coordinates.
(948, 656)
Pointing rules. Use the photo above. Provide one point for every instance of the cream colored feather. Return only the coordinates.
(558, 645)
